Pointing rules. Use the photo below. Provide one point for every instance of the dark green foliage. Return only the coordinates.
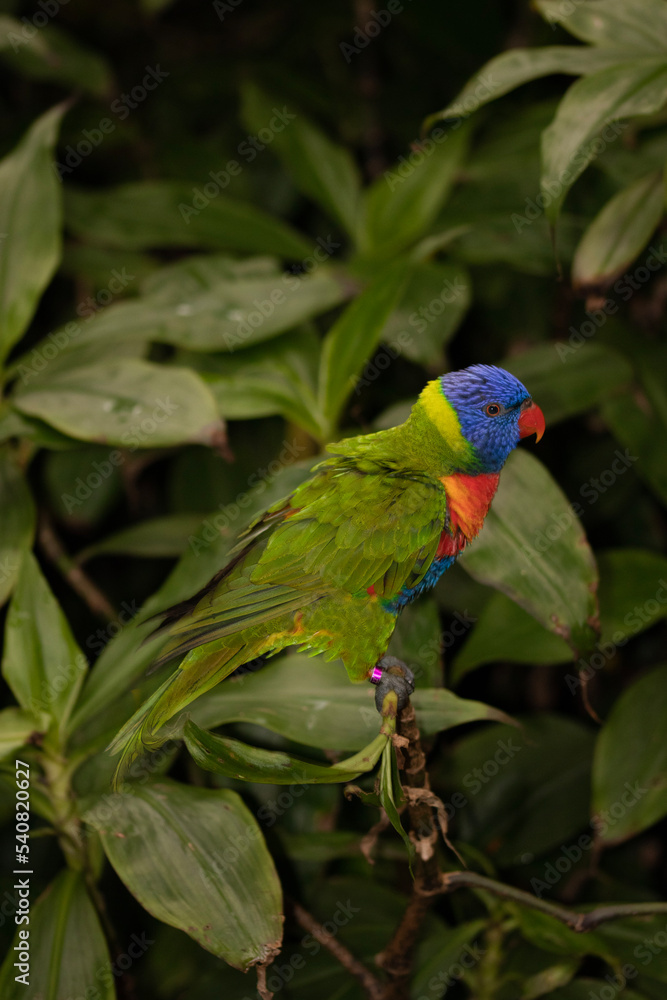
(231, 248)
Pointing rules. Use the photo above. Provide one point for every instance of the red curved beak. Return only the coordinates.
(531, 421)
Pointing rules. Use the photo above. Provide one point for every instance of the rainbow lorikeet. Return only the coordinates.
(330, 567)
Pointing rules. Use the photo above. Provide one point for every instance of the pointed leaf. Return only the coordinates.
(42, 662)
(196, 860)
(321, 169)
(161, 537)
(618, 234)
(30, 226)
(641, 25)
(247, 763)
(404, 202)
(354, 336)
(433, 304)
(203, 307)
(53, 54)
(533, 548)
(585, 121)
(17, 523)
(126, 402)
(504, 631)
(630, 764)
(518, 66)
(68, 953)
(641, 428)
(148, 214)
(314, 703)
(16, 728)
(570, 378)
(391, 795)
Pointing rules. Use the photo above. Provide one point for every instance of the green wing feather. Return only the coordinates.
(345, 530)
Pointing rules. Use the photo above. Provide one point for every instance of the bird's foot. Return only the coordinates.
(391, 674)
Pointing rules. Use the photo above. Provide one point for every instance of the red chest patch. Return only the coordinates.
(468, 502)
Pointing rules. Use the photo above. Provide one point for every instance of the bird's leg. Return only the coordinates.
(390, 674)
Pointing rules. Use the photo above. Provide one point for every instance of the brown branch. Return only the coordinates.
(579, 922)
(373, 987)
(78, 580)
(397, 958)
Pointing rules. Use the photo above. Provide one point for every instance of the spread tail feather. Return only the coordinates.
(201, 670)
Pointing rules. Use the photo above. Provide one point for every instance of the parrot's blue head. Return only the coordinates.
(494, 411)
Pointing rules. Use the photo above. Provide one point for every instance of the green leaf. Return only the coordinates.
(436, 298)
(196, 860)
(640, 26)
(618, 234)
(567, 379)
(202, 305)
(391, 795)
(504, 631)
(630, 764)
(533, 548)
(125, 657)
(16, 728)
(404, 202)
(248, 763)
(540, 775)
(82, 485)
(578, 133)
(641, 428)
(314, 703)
(148, 214)
(53, 54)
(353, 337)
(438, 967)
(633, 592)
(321, 169)
(550, 934)
(518, 66)
(160, 537)
(68, 953)
(42, 662)
(126, 402)
(17, 524)
(30, 224)
(632, 595)
(266, 379)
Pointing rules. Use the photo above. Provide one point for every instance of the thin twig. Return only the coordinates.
(579, 922)
(263, 990)
(78, 580)
(373, 987)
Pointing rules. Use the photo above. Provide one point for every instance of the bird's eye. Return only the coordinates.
(492, 409)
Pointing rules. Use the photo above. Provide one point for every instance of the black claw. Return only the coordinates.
(395, 677)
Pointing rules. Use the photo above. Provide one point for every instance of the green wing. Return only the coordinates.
(351, 530)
